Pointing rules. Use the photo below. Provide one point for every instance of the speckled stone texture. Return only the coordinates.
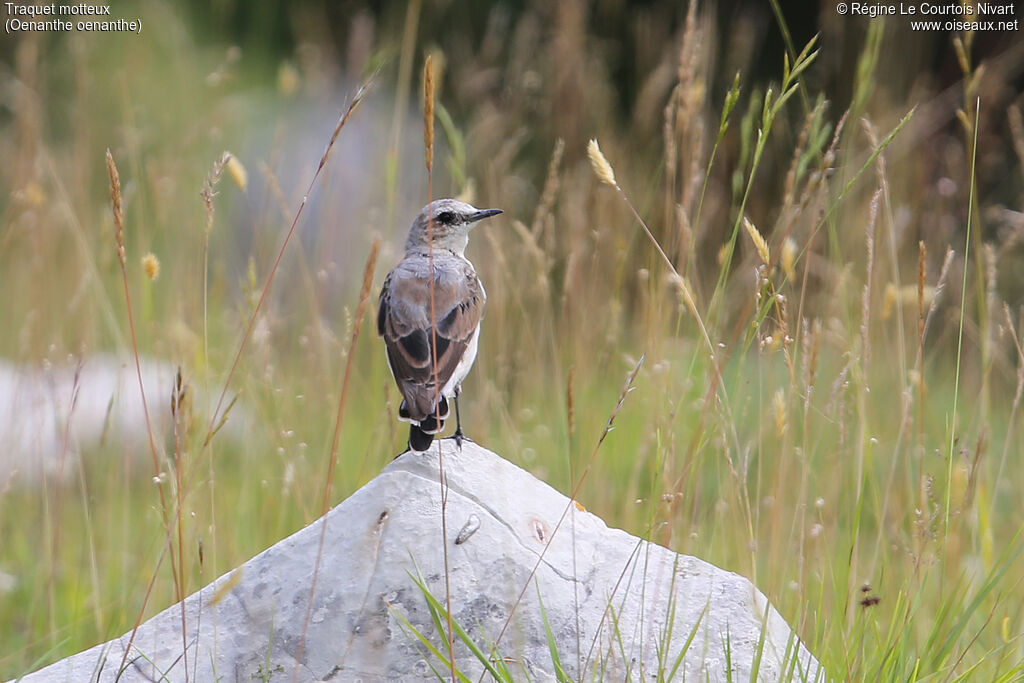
(618, 606)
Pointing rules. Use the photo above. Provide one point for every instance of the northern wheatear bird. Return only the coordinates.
(404, 319)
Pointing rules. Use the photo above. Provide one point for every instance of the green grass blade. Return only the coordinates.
(556, 660)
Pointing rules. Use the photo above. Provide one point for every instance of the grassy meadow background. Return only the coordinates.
(850, 440)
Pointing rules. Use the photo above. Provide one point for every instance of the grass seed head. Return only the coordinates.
(758, 240)
(601, 166)
(787, 258)
(428, 110)
(779, 404)
(115, 201)
(237, 172)
(151, 266)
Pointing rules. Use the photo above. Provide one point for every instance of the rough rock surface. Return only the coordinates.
(617, 606)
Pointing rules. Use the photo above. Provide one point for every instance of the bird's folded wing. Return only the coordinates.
(404, 321)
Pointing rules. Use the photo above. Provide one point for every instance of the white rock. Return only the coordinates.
(629, 610)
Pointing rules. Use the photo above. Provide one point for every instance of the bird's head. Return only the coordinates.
(448, 222)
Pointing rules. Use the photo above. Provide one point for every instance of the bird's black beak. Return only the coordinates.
(484, 213)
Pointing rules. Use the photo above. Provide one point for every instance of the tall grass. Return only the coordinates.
(803, 416)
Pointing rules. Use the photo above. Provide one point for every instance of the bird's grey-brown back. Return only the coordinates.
(447, 222)
(408, 294)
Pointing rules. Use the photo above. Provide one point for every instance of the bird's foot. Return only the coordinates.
(459, 438)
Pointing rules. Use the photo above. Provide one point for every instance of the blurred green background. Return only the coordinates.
(846, 452)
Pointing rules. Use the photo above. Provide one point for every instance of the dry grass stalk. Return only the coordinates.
(836, 404)
(570, 402)
(688, 54)
(922, 275)
(806, 371)
(691, 94)
(988, 259)
(115, 200)
(671, 157)
(881, 172)
(207, 194)
(829, 159)
(865, 302)
(428, 144)
(180, 419)
(572, 269)
(811, 346)
(781, 303)
(209, 190)
(547, 197)
(356, 100)
(530, 243)
(940, 286)
(686, 244)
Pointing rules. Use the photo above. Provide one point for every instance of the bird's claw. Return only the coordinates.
(460, 437)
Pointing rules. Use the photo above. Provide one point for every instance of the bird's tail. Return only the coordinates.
(419, 440)
(422, 435)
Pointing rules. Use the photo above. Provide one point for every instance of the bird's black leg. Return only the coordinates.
(459, 436)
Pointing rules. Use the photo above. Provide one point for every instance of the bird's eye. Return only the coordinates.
(446, 217)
